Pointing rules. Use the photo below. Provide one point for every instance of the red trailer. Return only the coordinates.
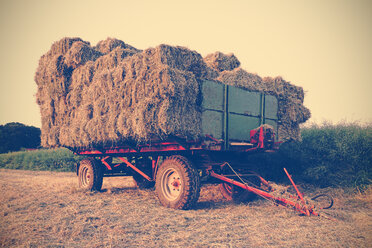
(235, 122)
(178, 167)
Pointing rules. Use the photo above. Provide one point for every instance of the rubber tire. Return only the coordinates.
(145, 165)
(190, 180)
(236, 194)
(94, 168)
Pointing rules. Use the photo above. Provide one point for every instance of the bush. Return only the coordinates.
(328, 155)
(60, 159)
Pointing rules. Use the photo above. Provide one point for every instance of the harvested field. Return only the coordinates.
(45, 209)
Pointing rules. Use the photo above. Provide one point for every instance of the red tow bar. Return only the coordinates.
(300, 207)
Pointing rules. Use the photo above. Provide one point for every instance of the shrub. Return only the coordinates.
(329, 155)
(60, 159)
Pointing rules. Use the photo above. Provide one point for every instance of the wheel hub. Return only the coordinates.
(171, 184)
(85, 177)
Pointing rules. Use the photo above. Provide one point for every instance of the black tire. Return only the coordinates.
(145, 165)
(236, 194)
(90, 175)
(177, 183)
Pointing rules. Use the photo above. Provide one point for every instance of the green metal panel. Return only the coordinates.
(271, 107)
(241, 125)
(213, 95)
(244, 102)
(213, 109)
(229, 113)
(262, 106)
(225, 119)
(212, 123)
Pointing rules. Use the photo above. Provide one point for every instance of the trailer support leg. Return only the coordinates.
(298, 192)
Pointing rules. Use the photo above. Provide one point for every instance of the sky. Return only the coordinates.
(324, 46)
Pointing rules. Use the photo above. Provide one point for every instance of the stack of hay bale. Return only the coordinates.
(113, 92)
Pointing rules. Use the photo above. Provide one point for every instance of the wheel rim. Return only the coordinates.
(85, 177)
(171, 184)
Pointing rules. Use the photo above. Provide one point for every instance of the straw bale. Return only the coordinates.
(241, 78)
(123, 95)
(278, 86)
(222, 62)
(79, 53)
(62, 46)
(106, 46)
(112, 92)
(184, 59)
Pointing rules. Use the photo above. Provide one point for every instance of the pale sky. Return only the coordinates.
(324, 46)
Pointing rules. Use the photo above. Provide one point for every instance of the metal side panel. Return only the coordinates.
(212, 123)
(213, 95)
(240, 126)
(213, 109)
(230, 113)
(244, 102)
(271, 107)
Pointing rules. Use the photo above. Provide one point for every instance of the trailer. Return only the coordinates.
(235, 123)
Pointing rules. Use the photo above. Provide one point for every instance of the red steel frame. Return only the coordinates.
(147, 148)
(174, 146)
(135, 168)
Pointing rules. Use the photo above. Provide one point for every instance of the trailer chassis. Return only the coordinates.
(176, 166)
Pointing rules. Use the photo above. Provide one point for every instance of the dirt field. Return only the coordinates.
(46, 209)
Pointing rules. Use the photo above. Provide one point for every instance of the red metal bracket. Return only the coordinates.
(105, 163)
(294, 185)
(155, 166)
(135, 168)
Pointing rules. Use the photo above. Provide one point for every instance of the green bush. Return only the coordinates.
(328, 155)
(60, 159)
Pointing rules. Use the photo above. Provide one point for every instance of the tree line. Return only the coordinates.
(16, 136)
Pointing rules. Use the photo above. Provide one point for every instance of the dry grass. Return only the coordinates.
(46, 209)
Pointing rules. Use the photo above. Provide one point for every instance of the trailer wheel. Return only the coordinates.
(177, 183)
(145, 165)
(236, 194)
(90, 175)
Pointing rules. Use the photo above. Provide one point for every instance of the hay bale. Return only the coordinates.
(113, 92)
(106, 46)
(222, 62)
(184, 59)
(241, 78)
(121, 95)
(79, 54)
